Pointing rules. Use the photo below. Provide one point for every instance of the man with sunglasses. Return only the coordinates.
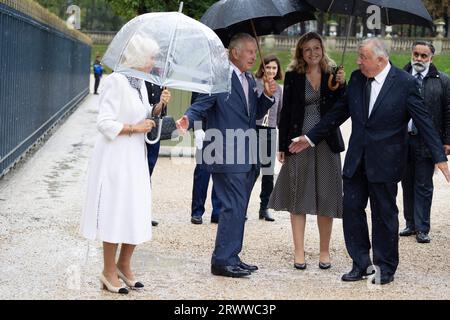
(417, 183)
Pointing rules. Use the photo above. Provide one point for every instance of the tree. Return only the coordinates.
(128, 9)
(95, 14)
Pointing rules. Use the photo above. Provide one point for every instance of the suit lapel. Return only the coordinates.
(236, 84)
(390, 79)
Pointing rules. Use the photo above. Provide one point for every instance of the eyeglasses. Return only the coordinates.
(421, 55)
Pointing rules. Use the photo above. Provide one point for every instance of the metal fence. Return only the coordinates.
(44, 73)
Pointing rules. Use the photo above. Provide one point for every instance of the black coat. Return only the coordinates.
(436, 92)
(293, 111)
(381, 139)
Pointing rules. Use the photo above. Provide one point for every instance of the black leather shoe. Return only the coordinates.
(407, 232)
(324, 265)
(300, 266)
(383, 279)
(356, 275)
(154, 223)
(265, 214)
(214, 219)
(196, 220)
(248, 267)
(422, 237)
(229, 271)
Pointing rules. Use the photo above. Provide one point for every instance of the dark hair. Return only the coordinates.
(268, 59)
(424, 43)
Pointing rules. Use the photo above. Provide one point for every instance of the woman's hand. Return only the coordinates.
(144, 126)
(165, 97)
(340, 76)
(280, 157)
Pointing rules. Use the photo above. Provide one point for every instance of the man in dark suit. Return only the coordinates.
(380, 100)
(230, 156)
(417, 183)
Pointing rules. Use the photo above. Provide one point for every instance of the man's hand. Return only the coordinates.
(270, 86)
(298, 144)
(447, 149)
(183, 124)
(280, 157)
(443, 166)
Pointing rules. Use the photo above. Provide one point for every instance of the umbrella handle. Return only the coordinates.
(332, 78)
(158, 135)
(257, 44)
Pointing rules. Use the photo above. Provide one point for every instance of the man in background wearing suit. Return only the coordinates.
(417, 183)
(380, 100)
(234, 164)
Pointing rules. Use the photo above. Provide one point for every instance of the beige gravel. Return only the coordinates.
(43, 257)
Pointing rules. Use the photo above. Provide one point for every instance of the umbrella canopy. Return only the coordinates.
(182, 53)
(392, 11)
(228, 17)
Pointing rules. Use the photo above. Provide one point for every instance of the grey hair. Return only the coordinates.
(238, 39)
(378, 47)
(138, 51)
(424, 43)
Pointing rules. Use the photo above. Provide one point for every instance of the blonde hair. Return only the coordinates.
(138, 51)
(298, 64)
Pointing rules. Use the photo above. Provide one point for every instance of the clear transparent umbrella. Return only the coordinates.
(176, 51)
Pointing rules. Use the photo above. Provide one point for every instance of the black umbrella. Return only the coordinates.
(257, 17)
(392, 11)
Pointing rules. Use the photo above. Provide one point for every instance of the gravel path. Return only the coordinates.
(42, 255)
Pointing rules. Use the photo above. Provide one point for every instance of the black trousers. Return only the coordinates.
(267, 138)
(97, 82)
(357, 191)
(418, 187)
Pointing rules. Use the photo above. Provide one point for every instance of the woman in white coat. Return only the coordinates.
(118, 202)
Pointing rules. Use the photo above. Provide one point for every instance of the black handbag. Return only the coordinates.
(165, 129)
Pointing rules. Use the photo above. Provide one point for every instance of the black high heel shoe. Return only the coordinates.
(324, 265)
(300, 266)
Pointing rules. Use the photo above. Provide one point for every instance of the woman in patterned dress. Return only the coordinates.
(309, 182)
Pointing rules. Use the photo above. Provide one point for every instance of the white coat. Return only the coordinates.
(118, 200)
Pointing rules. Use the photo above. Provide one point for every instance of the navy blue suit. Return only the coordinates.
(234, 177)
(376, 161)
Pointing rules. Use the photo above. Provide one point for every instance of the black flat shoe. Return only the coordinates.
(300, 266)
(356, 275)
(229, 271)
(383, 279)
(407, 232)
(422, 237)
(196, 220)
(266, 215)
(248, 267)
(324, 265)
(214, 219)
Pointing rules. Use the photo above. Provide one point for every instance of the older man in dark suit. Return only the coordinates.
(380, 99)
(231, 156)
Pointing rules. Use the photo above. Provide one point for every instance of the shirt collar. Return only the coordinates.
(383, 74)
(236, 69)
(424, 72)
